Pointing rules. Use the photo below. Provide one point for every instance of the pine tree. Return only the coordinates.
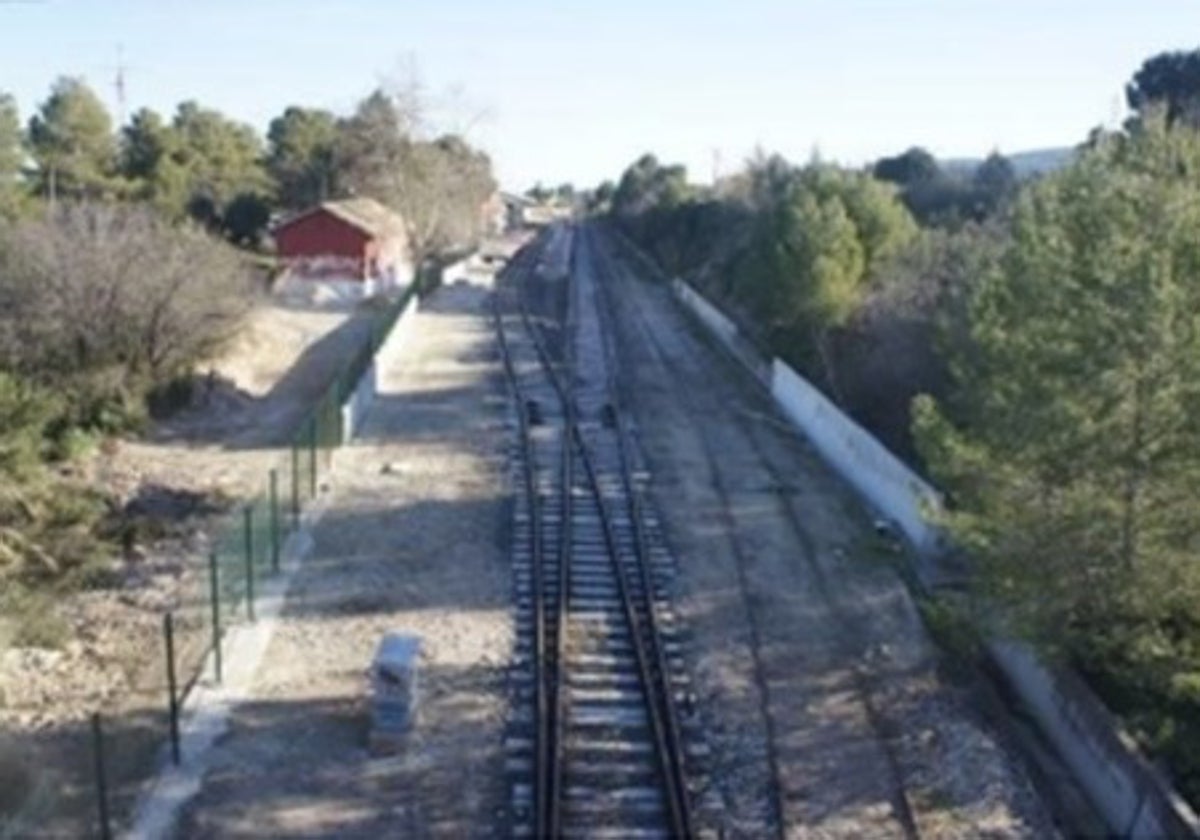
(71, 138)
(1072, 445)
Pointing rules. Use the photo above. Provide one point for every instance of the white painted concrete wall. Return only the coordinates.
(720, 326)
(894, 490)
(355, 409)
(880, 477)
(1134, 799)
(726, 332)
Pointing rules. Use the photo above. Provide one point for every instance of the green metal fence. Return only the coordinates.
(249, 546)
(246, 548)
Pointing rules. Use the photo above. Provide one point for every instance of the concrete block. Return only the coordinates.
(394, 691)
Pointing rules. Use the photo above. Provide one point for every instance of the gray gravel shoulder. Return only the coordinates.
(823, 700)
(411, 541)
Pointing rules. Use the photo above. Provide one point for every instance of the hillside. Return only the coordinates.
(1027, 163)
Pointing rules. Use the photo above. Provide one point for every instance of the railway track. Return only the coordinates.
(599, 748)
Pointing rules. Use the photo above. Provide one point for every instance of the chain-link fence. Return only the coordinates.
(82, 773)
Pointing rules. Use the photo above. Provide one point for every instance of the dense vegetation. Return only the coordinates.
(119, 273)
(1034, 347)
(204, 166)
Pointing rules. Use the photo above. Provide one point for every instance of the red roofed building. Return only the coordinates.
(356, 242)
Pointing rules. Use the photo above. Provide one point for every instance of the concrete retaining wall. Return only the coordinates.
(880, 477)
(720, 326)
(355, 409)
(1130, 795)
(397, 339)
(894, 490)
(725, 331)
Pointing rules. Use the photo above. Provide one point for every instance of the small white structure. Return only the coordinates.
(393, 691)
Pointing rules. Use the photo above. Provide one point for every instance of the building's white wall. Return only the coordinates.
(324, 292)
(395, 265)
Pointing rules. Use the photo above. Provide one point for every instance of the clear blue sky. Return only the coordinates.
(575, 91)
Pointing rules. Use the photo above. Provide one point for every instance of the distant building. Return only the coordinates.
(515, 208)
(356, 245)
(526, 212)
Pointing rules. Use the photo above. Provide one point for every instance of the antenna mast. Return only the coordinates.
(120, 85)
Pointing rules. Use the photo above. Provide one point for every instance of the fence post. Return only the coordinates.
(295, 485)
(274, 520)
(340, 437)
(248, 532)
(312, 455)
(101, 776)
(172, 686)
(331, 423)
(214, 584)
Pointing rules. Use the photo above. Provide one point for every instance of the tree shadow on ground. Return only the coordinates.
(245, 421)
(302, 768)
(50, 785)
(365, 562)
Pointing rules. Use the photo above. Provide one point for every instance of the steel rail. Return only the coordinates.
(641, 543)
(654, 678)
(545, 747)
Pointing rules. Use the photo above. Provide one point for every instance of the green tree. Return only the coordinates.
(565, 193)
(647, 185)
(914, 166)
(882, 223)
(995, 182)
(244, 220)
(1170, 80)
(71, 138)
(150, 164)
(812, 264)
(540, 193)
(301, 155)
(1071, 443)
(600, 199)
(12, 159)
(438, 186)
(220, 158)
(371, 149)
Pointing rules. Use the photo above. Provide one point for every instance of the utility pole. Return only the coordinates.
(120, 85)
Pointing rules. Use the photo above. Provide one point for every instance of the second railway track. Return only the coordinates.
(602, 744)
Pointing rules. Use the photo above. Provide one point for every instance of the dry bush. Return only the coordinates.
(113, 299)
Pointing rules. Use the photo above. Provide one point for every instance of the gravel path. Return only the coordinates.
(821, 691)
(412, 541)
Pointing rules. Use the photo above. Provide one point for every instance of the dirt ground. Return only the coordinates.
(413, 539)
(219, 448)
(820, 688)
(263, 388)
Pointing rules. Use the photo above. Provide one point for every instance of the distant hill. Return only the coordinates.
(1027, 164)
